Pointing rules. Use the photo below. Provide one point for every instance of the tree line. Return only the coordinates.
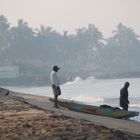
(85, 53)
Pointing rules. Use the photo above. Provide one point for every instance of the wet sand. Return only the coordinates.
(34, 118)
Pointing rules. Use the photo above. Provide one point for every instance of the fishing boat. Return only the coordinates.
(102, 110)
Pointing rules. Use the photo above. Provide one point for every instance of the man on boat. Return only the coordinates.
(55, 84)
(124, 102)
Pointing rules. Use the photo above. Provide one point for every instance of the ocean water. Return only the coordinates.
(93, 91)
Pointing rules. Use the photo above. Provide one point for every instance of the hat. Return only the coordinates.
(56, 67)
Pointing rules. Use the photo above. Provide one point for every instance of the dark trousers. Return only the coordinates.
(55, 100)
(56, 92)
(125, 108)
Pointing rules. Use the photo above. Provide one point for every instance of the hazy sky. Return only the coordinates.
(72, 14)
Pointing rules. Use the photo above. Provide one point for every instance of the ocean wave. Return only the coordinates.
(135, 105)
(76, 80)
(79, 80)
(88, 100)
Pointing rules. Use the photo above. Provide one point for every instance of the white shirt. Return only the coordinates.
(54, 78)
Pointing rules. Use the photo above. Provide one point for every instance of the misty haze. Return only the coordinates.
(84, 38)
(69, 70)
(27, 55)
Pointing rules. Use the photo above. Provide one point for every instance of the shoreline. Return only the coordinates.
(58, 121)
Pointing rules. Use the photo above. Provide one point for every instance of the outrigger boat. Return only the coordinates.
(102, 110)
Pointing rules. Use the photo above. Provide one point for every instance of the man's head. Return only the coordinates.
(126, 84)
(56, 68)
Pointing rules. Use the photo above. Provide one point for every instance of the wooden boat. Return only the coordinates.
(96, 110)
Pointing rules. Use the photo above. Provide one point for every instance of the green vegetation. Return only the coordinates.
(85, 53)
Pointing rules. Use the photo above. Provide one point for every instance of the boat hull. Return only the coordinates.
(95, 110)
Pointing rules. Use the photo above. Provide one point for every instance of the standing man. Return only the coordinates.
(55, 84)
(124, 102)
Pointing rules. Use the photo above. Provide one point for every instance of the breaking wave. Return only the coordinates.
(79, 80)
(75, 81)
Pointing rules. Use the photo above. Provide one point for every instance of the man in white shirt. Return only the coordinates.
(55, 84)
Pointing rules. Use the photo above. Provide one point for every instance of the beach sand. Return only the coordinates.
(34, 118)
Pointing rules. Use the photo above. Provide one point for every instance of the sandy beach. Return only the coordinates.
(31, 117)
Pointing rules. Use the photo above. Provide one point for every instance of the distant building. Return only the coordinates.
(9, 71)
